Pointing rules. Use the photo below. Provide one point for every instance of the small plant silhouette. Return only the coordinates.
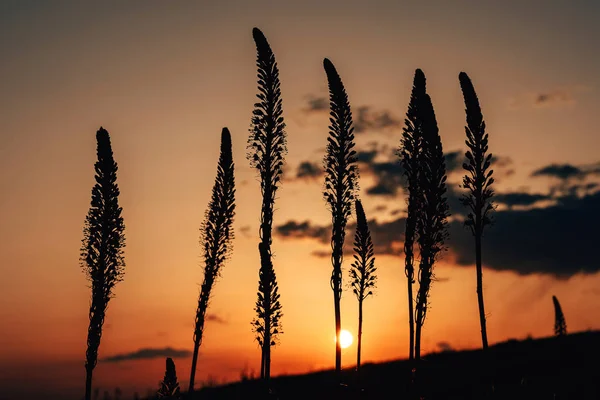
(169, 387)
(560, 325)
(102, 248)
(432, 222)
(216, 235)
(410, 153)
(477, 181)
(362, 274)
(267, 147)
(341, 176)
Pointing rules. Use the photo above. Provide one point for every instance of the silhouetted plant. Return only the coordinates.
(410, 148)
(560, 325)
(267, 147)
(432, 222)
(341, 175)
(102, 248)
(477, 181)
(362, 273)
(169, 387)
(216, 234)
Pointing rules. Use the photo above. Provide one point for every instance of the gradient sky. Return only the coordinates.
(163, 77)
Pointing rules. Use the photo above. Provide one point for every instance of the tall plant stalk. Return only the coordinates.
(432, 222)
(102, 248)
(477, 180)
(216, 234)
(560, 325)
(362, 274)
(341, 176)
(410, 148)
(267, 147)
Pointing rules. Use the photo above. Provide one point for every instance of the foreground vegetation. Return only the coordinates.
(560, 367)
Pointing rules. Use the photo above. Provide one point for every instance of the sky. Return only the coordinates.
(164, 77)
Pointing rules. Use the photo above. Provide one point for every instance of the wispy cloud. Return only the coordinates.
(552, 98)
(215, 318)
(149, 353)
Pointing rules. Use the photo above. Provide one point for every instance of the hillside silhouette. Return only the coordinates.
(546, 368)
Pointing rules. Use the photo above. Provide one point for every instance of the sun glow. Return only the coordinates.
(345, 339)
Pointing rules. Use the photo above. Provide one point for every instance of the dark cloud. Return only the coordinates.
(316, 103)
(385, 235)
(454, 161)
(246, 230)
(568, 172)
(445, 346)
(557, 240)
(389, 174)
(149, 353)
(365, 156)
(557, 97)
(215, 318)
(299, 230)
(367, 119)
(309, 170)
(519, 198)
(561, 171)
(389, 177)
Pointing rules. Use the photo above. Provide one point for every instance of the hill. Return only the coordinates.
(548, 368)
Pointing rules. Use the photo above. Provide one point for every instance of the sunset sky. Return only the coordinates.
(164, 77)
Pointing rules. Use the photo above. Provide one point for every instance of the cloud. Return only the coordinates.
(215, 318)
(385, 236)
(367, 119)
(246, 230)
(519, 198)
(300, 230)
(560, 171)
(554, 98)
(389, 174)
(149, 353)
(556, 240)
(568, 171)
(316, 104)
(445, 346)
(309, 170)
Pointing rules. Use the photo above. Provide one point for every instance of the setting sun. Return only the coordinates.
(345, 339)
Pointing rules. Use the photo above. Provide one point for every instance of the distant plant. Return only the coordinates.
(266, 150)
(478, 182)
(169, 387)
(432, 222)
(560, 325)
(410, 152)
(362, 274)
(102, 248)
(216, 234)
(118, 393)
(341, 175)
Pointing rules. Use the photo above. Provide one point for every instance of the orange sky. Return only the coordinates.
(164, 77)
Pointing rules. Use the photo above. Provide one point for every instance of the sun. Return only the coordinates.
(345, 339)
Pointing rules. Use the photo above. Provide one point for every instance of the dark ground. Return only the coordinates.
(550, 368)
